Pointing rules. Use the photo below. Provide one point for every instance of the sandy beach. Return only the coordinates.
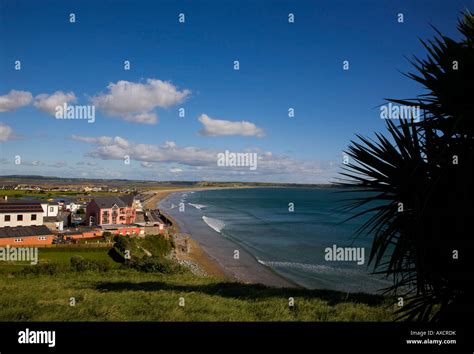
(160, 194)
(211, 252)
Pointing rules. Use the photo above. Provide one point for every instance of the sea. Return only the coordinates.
(287, 229)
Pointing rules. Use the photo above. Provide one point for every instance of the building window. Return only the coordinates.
(18, 240)
(19, 217)
(33, 217)
(51, 209)
(7, 218)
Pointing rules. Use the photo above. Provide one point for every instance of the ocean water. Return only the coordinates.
(294, 243)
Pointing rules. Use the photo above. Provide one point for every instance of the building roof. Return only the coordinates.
(127, 199)
(24, 231)
(109, 202)
(21, 207)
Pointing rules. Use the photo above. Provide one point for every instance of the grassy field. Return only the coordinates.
(123, 293)
(11, 193)
(128, 295)
(63, 256)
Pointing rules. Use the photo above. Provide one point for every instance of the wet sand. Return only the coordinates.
(215, 253)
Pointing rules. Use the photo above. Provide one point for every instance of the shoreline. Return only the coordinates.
(161, 194)
(209, 258)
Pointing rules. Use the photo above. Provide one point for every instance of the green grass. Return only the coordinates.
(124, 294)
(127, 295)
(63, 256)
(51, 194)
(60, 256)
(156, 244)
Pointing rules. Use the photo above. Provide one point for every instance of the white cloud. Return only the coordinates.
(48, 103)
(15, 99)
(101, 140)
(146, 164)
(134, 102)
(144, 118)
(219, 127)
(202, 163)
(108, 148)
(6, 133)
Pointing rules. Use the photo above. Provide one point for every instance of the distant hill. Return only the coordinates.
(51, 180)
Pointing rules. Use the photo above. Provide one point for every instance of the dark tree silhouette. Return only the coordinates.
(422, 181)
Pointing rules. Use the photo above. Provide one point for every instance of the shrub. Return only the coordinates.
(125, 243)
(108, 236)
(156, 265)
(79, 264)
(121, 243)
(43, 269)
(156, 244)
(116, 255)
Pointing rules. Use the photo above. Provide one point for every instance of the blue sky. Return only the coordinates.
(190, 65)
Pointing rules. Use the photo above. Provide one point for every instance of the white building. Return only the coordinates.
(21, 213)
(50, 209)
(137, 204)
(74, 207)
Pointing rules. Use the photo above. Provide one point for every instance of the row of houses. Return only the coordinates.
(85, 189)
(33, 222)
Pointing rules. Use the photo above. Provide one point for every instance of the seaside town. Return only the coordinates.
(236, 175)
(60, 220)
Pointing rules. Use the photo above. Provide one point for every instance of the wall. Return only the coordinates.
(26, 219)
(27, 241)
(50, 209)
(127, 230)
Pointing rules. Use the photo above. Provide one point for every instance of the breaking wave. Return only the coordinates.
(197, 206)
(215, 224)
(314, 268)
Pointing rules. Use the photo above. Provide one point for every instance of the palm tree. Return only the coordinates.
(421, 184)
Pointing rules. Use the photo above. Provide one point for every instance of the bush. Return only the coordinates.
(156, 244)
(156, 265)
(79, 264)
(121, 243)
(116, 255)
(108, 236)
(43, 269)
(128, 245)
